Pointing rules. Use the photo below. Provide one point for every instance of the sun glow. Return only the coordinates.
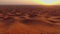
(48, 2)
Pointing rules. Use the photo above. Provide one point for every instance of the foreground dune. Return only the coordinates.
(29, 20)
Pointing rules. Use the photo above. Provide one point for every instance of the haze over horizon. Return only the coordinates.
(23, 2)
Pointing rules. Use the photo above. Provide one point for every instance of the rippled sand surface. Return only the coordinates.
(28, 19)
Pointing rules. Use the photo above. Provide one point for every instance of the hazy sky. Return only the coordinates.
(19, 2)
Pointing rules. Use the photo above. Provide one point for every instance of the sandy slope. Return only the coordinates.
(31, 21)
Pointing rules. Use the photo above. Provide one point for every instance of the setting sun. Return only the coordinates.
(48, 2)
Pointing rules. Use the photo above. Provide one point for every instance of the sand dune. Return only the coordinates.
(29, 19)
